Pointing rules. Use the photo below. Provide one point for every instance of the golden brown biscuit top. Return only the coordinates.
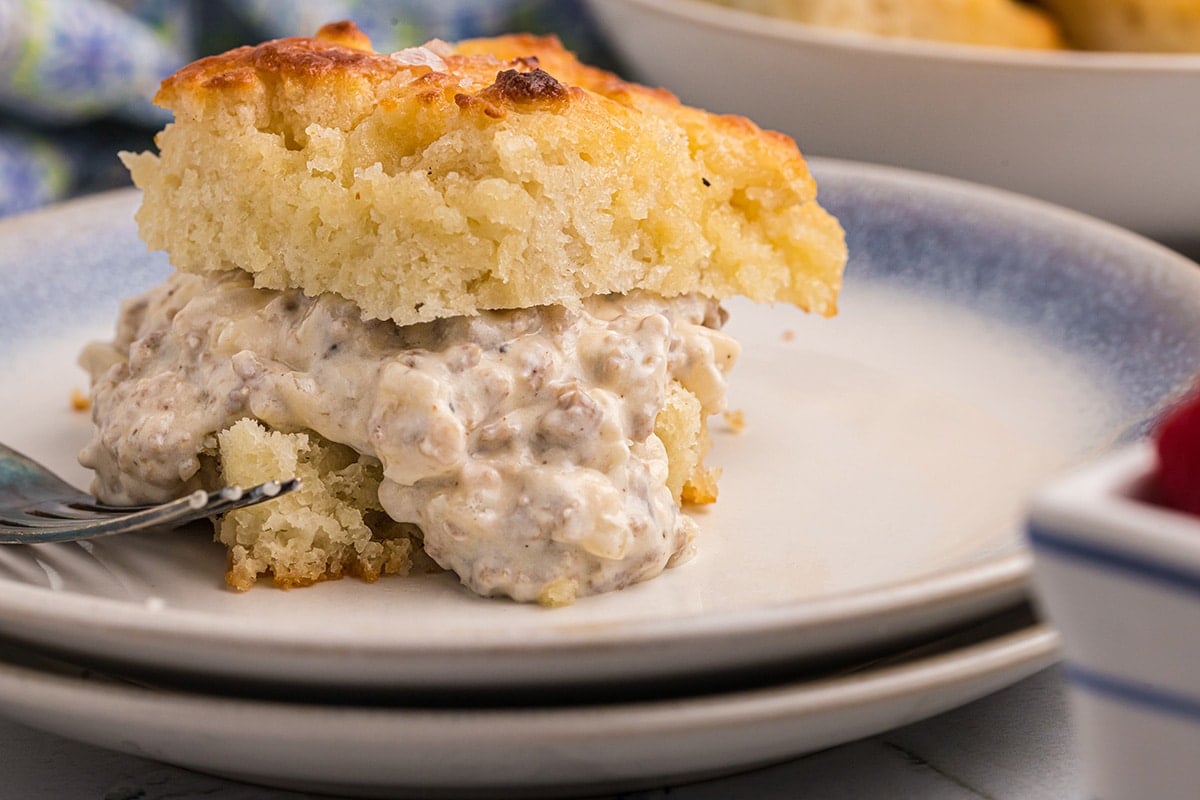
(340, 54)
(336, 78)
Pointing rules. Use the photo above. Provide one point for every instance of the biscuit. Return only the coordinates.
(331, 526)
(497, 173)
(1166, 26)
(999, 23)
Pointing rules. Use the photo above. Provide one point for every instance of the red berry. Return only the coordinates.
(1178, 440)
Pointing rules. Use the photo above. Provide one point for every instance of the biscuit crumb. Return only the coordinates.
(330, 527)
(735, 419)
(789, 335)
(80, 401)
(701, 488)
(558, 593)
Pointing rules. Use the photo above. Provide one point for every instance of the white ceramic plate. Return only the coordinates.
(876, 493)
(393, 751)
(1111, 134)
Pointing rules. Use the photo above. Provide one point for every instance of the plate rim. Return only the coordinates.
(944, 680)
(1006, 576)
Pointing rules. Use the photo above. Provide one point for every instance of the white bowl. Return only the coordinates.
(1116, 135)
(1120, 578)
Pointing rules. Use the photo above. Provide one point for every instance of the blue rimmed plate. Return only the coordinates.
(875, 495)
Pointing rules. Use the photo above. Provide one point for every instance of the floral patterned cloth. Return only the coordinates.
(76, 76)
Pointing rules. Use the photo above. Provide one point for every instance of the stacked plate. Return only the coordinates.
(863, 568)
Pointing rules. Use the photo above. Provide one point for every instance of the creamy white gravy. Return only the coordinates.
(520, 442)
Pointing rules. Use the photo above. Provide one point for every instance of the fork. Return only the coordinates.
(38, 506)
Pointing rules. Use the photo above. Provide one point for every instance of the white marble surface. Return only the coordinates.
(1013, 745)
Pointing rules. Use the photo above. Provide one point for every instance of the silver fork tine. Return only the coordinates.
(89, 506)
(56, 512)
(52, 511)
(234, 497)
(38, 506)
(34, 520)
(197, 505)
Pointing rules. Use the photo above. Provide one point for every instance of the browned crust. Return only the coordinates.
(495, 76)
(340, 52)
(310, 58)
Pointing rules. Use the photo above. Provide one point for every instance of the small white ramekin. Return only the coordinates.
(1119, 576)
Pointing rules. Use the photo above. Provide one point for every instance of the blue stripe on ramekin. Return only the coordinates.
(1114, 559)
(1131, 693)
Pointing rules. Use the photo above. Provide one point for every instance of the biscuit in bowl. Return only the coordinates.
(1151, 26)
(997, 23)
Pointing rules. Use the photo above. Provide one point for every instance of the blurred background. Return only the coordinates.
(76, 76)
